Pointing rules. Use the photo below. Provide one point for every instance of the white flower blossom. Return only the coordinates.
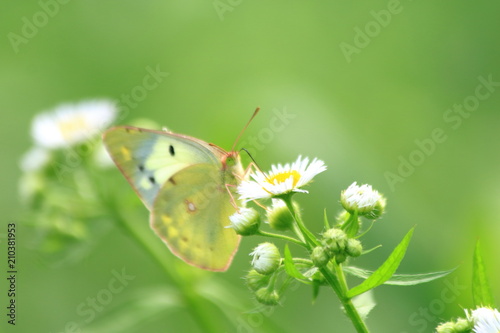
(70, 124)
(361, 198)
(486, 320)
(281, 179)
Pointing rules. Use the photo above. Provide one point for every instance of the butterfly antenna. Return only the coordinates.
(244, 128)
(253, 160)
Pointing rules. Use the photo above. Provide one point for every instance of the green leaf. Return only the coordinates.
(315, 289)
(384, 272)
(399, 279)
(481, 291)
(327, 225)
(290, 266)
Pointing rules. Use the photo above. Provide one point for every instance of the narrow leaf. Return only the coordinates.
(290, 266)
(384, 272)
(315, 290)
(327, 225)
(481, 291)
(399, 279)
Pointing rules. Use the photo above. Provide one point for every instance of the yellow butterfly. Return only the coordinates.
(188, 185)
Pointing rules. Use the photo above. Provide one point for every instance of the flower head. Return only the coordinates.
(246, 222)
(486, 320)
(363, 199)
(266, 258)
(71, 124)
(281, 179)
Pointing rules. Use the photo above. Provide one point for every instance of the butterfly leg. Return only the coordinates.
(233, 201)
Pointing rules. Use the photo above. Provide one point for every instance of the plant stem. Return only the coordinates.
(339, 286)
(311, 241)
(335, 279)
(272, 235)
(192, 300)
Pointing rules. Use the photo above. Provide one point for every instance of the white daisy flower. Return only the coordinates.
(281, 179)
(266, 258)
(69, 124)
(360, 198)
(34, 159)
(486, 320)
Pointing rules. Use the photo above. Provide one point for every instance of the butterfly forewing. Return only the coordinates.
(149, 158)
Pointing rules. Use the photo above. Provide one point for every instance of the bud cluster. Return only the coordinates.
(335, 244)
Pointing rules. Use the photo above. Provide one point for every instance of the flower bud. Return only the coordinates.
(354, 247)
(267, 297)
(340, 257)
(319, 256)
(378, 209)
(362, 199)
(254, 280)
(334, 241)
(246, 222)
(266, 258)
(459, 326)
(280, 217)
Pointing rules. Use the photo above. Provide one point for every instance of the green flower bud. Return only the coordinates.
(246, 222)
(378, 209)
(254, 280)
(334, 241)
(354, 247)
(463, 325)
(266, 258)
(319, 256)
(362, 199)
(280, 217)
(340, 258)
(267, 297)
(459, 326)
(342, 217)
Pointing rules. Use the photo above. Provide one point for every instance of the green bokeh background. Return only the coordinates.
(360, 114)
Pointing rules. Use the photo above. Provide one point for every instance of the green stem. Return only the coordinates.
(339, 285)
(272, 235)
(311, 241)
(336, 281)
(192, 300)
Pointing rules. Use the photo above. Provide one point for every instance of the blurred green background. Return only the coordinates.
(361, 83)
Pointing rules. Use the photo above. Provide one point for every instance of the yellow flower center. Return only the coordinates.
(71, 126)
(281, 177)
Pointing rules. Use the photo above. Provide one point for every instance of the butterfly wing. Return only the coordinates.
(191, 215)
(149, 158)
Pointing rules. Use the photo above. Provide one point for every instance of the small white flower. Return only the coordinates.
(361, 198)
(281, 179)
(34, 159)
(486, 320)
(266, 258)
(245, 222)
(69, 124)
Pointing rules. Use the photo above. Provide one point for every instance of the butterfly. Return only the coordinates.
(189, 187)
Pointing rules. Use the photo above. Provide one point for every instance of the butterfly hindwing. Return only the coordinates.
(149, 158)
(191, 215)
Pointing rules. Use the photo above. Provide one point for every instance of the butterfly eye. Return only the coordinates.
(171, 150)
